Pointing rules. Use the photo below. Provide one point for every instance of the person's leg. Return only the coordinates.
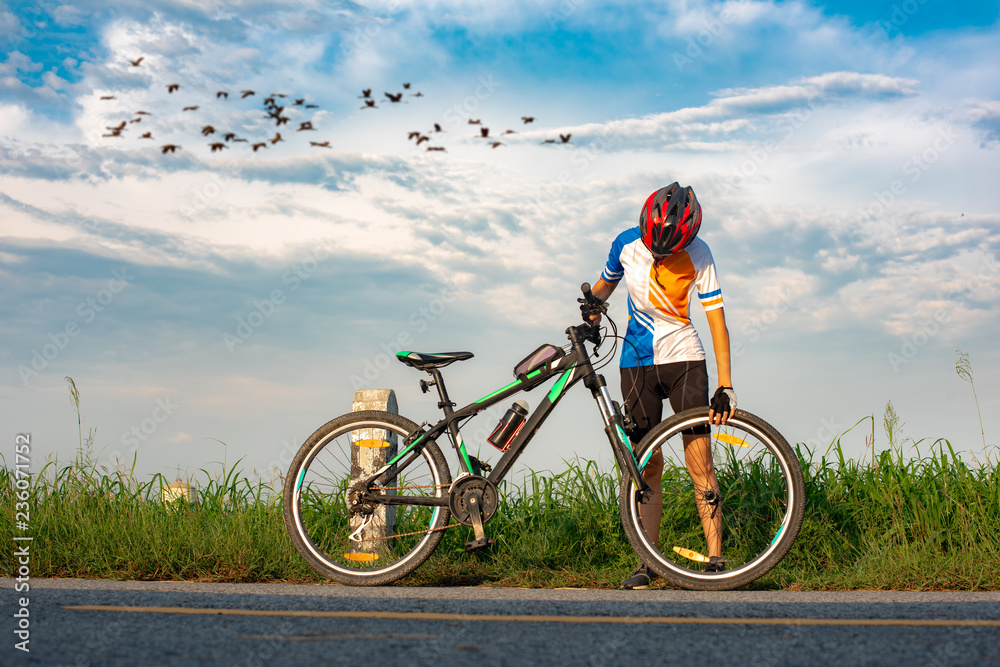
(689, 389)
(641, 391)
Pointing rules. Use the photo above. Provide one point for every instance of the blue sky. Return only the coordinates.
(845, 155)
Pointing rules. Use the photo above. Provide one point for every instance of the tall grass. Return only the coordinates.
(905, 522)
(910, 517)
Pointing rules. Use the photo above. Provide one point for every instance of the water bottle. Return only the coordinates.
(509, 426)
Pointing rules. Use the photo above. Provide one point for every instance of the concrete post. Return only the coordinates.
(370, 450)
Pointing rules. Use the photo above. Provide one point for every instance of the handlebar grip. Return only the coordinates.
(587, 294)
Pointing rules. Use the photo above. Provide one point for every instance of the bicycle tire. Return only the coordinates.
(762, 502)
(398, 537)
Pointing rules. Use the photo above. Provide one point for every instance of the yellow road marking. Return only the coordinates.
(494, 618)
(332, 638)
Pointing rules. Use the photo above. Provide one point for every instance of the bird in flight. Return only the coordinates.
(324, 144)
(218, 146)
(497, 143)
(299, 103)
(136, 120)
(528, 119)
(114, 133)
(406, 86)
(276, 138)
(135, 63)
(475, 122)
(143, 113)
(306, 125)
(229, 136)
(422, 139)
(260, 145)
(510, 132)
(107, 97)
(169, 148)
(412, 135)
(207, 130)
(565, 138)
(312, 106)
(147, 135)
(246, 93)
(437, 127)
(366, 93)
(194, 108)
(394, 98)
(369, 104)
(549, 141)
(222, 93)
(171, 87)
(117, 128)
(484, 132)
(435, 148)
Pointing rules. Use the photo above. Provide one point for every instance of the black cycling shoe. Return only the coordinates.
(715, 564)
(640, 579)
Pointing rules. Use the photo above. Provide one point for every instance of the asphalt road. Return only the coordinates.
(81, 623)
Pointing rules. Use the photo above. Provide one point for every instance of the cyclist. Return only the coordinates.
(663, 262)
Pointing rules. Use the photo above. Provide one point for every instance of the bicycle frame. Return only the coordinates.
(571, 369)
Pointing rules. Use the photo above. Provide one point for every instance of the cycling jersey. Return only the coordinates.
(659, 292)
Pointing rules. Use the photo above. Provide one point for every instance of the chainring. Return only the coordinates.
(462, 490)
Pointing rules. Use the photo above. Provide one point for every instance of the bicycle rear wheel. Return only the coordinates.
(383, 542)
(754, 510)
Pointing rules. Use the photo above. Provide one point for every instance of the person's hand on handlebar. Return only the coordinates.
(594, 302)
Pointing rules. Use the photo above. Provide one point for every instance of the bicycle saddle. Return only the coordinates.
(422, 361)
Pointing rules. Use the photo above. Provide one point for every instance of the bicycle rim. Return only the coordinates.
(385, 542)
(760, 501)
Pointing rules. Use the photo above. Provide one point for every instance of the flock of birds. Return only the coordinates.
(276, 108)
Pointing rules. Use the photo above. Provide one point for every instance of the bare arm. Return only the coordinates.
(720, 343)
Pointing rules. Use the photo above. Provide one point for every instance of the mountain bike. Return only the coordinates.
(369, 494)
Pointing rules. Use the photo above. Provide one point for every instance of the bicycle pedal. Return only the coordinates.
(479, 467)
(476, 545)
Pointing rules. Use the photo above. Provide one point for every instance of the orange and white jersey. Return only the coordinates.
(659, 297)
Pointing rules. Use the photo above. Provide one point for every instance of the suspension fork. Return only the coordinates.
(614, 428)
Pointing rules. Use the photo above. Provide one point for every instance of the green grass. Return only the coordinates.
(899, 521)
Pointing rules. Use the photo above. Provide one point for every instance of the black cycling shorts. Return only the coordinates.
(644, 389)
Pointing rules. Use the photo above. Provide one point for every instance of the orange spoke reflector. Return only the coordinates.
(372, 443)
(730, 439)
(691, 555)
(367, 558)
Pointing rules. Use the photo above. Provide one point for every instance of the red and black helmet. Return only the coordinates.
(670, 219)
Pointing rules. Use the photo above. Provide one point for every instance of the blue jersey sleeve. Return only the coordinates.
(613, 270)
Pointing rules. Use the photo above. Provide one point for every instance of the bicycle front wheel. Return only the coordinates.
(379, 542)
(732, 492)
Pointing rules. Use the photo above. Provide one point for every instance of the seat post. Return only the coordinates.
(445, 403)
